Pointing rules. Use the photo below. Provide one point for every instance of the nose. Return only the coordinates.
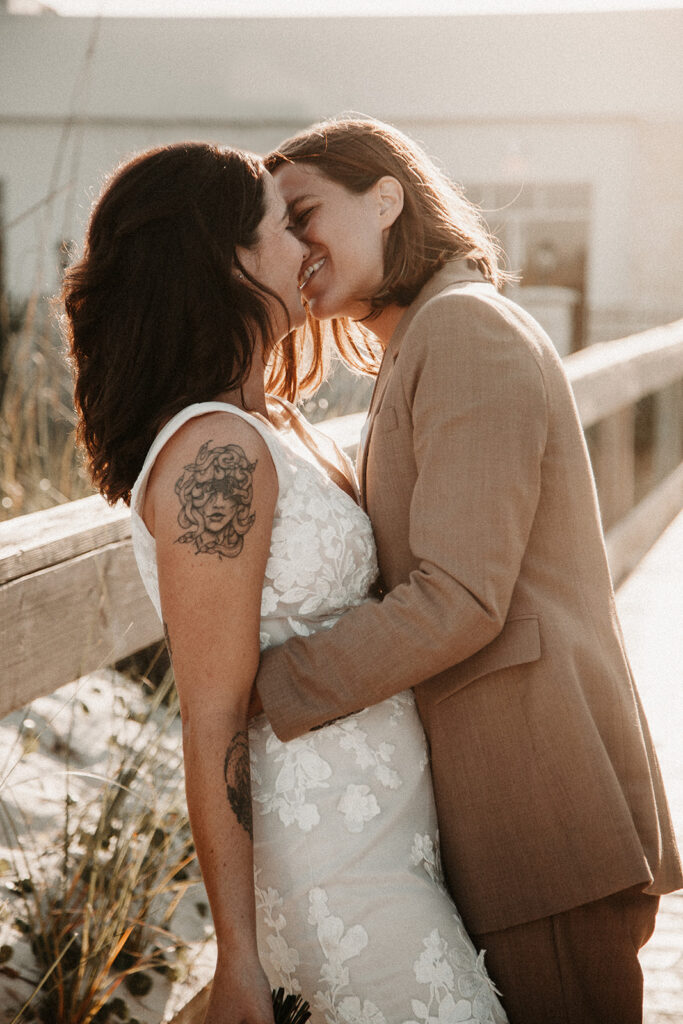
(305, 249)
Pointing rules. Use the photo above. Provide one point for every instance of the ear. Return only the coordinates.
(390, 195)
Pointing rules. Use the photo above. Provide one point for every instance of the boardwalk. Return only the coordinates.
(651, 608)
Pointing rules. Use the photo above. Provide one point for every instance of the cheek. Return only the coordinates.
(357, 241)
(295, 252)
(250, 260)
(371, 242)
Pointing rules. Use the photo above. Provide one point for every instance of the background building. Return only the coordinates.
(565, 127)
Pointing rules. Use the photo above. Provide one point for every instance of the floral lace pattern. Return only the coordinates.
(301, 770)
(322, 557)
(352, 910)
(283, 960)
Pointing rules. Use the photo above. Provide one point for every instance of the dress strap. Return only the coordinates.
(330, 457)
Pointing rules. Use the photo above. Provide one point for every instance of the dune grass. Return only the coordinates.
(39, 463)
(95, 900)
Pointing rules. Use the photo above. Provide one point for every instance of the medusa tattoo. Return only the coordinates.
(215, 494)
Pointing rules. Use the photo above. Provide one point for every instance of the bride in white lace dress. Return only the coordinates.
(351, 904)
(247, 530)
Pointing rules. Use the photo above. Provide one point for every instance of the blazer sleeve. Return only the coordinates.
(471, 376)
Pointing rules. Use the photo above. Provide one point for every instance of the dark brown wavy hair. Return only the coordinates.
(437, 222)
(155, 317)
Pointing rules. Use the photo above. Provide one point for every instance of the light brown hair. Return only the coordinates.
(437, 223)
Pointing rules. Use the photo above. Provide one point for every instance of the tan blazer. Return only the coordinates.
(476, 478)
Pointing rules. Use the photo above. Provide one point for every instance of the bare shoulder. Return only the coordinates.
(212, 462)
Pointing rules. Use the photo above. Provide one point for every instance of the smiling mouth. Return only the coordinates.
(309, 272)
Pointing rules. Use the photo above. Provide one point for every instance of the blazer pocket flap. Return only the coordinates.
(518, 643)
(386, 419)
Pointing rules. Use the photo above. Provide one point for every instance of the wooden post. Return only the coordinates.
(614, 466)
(668, 438)
(4, 305)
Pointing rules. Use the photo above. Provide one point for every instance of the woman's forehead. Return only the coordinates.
(297, 181)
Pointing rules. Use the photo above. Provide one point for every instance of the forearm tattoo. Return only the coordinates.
(238, 780)
(215, 494)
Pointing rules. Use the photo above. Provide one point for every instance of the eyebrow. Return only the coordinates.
(300, 199)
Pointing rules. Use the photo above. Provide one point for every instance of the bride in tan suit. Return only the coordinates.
(555, 831)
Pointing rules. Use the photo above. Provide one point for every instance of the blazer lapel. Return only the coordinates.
(381, 382)
(453, 273)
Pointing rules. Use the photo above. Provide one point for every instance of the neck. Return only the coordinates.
(251, 396)
(385, 323)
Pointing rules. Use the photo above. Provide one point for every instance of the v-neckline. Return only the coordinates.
(333, 472)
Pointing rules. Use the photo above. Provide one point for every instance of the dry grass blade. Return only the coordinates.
(98, 918)
(39, 463)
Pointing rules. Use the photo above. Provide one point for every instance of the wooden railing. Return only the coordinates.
(608, 380)
(71, 600)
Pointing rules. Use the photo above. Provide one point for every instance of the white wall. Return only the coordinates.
(580, 65)
(553, 98)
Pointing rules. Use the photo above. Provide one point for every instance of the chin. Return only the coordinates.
(332, 307)
(322, 310)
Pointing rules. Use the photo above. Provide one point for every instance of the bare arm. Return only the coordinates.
(479, 428)
(210, 506)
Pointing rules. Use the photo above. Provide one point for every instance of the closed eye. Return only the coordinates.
(300, 218)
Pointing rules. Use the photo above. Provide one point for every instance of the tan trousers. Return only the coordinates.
(579, 967)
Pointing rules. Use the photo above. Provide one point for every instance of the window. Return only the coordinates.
(544, 230)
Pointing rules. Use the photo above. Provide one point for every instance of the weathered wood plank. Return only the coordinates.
(612, 375)
(74, 617)
(69, 619)
(633, 536)
(40, 539)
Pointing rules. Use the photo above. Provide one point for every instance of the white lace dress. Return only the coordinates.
(351, 905)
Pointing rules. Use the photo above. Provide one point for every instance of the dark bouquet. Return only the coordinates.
(289, 1009)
